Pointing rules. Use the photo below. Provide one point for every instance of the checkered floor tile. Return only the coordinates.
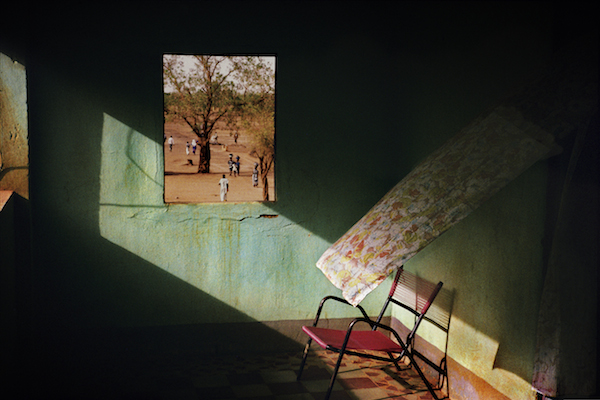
(273, 377)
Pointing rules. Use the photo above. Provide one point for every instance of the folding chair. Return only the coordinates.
(408, 292)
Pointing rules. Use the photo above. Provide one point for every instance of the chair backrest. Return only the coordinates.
(417, 295)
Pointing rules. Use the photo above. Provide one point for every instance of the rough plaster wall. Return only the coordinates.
(247, 256)
(109, 251)
(14, 148)
(212, 247)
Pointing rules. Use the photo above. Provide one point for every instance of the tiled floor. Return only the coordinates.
(273, 377)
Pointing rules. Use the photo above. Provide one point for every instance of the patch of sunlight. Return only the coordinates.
(130, 190)
(129, 174)
(473, 350)
(213, 247)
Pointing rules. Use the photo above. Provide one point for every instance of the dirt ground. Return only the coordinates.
(184, 185)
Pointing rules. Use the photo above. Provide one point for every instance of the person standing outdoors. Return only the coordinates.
(255, 175)
(224, 183)
(230, 164)
(171, 142)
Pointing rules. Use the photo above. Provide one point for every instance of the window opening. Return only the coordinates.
(219, 128)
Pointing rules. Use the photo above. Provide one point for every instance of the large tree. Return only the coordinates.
(201, 96)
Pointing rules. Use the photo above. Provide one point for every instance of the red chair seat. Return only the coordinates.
(359, 340)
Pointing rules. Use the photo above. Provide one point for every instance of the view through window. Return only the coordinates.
(219, 128)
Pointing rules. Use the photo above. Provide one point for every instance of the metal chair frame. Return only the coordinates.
(401, 348)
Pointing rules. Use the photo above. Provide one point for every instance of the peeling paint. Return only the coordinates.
(14, 147)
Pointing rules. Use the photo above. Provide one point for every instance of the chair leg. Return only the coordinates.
(422, 375)
(304, 357)
(443, 377)
(335, 372)
(395, 361)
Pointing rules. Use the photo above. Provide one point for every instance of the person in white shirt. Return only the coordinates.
(171, 141)
(224, 182)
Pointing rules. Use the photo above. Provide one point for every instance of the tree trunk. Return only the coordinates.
(204, 154)
(265, 181)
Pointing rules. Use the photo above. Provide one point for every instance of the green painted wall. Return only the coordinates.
(357, 106)
(363, 94)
